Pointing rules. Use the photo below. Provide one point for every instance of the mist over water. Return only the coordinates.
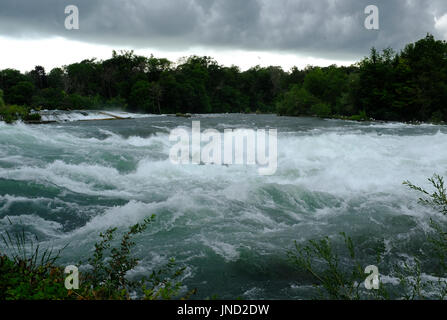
(229, 226)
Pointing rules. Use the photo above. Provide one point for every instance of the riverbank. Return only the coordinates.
(15, 113)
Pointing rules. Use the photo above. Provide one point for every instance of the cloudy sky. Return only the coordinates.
(240, 32)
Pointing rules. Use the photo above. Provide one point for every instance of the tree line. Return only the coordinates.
(410, 85)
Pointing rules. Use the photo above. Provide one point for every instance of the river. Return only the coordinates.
(229, 226)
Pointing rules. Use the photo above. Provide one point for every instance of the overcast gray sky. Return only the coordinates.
(241, 32)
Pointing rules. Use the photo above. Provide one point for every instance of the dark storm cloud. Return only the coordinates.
(328, 28)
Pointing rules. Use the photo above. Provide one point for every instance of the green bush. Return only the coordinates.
(335, 278)
(32, 117)
(359, 117)
(338, 276)
(22, 93)
(50, 98)
(18, 281)
(437, 117)
(12, 113)
(296, 102)
(321, 110)
(26, 275)
(38, 277)
(76, 101)
(114, 103)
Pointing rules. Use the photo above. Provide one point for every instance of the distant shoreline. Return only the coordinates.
(123, 115)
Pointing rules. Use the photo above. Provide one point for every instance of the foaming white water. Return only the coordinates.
(217, 219)
(227, 251)
(336, 163)
(127, 215)
(71, 116)
(22, 134)
(42, 228)
(347, 163)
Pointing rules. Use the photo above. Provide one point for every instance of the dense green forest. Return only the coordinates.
(407, 86)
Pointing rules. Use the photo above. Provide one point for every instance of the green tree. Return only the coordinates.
(193, 78)
(8, 79)
(39, 77)
(405, 86)
(424, 78)
(140, 97)
(315, 82)
(52, 98)
(327, 84)
(321, 109)
(56, 79)
(156, 93)
(297, 102)
(2, 103)
(376, 92)
(84, 78)
(22, 93)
